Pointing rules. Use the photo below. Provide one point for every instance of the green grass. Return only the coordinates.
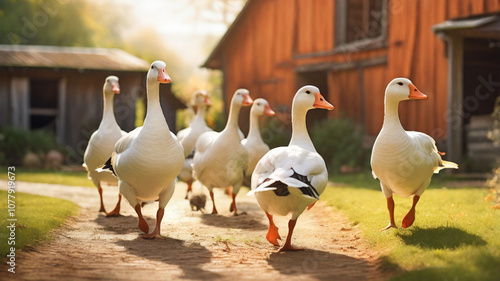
(36, 217)
(456, 235)
(73, 178)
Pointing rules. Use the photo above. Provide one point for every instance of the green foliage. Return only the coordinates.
(57, 23)
(339, 142)
(36, 217)
(494, 134)
(454, 237)
(17, 142)
(494, 194)
(275, 133)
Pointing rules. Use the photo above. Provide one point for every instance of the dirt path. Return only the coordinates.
(197, 246)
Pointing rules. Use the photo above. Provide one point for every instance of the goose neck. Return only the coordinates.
(391, 114)
(153, 111)
(300, 136)
(232, 122)
(108, 115)
(200, 114)
(254, 131)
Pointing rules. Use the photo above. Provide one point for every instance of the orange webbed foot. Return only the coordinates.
(408, 219)
(152, 235)
(273, 236)
(289, 248)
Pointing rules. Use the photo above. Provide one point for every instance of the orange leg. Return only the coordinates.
(410, 217)
(214, 210)
(288, 246)
(190, 188)
(116, 210)
(390, 207)
(272, 233)
(143, 225)
(233, 205)
(156, 232)
(99, 189)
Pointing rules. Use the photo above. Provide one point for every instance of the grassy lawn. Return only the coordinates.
(73, 178)
(456, 235)
(36, 217)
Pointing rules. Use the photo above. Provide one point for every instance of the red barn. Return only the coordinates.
(351, 49)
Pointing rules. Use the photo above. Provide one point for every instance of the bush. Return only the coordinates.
(275, 133)
(494, 135)
(15, 143)
(339, 142)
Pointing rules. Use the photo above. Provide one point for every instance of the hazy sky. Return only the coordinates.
(184, 25)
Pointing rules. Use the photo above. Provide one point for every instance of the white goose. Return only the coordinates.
(148, 160)
(404, 161)
(220, 159)
(254, 144)
(188, 136)
(289, 179)
(102, 143)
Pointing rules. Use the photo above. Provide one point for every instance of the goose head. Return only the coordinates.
(400, 89)
(309, 97)
(158, 72)
(111, 85)
(241, 98)
(200, 98)
(261, 106)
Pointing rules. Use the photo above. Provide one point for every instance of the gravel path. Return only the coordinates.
(197, 245)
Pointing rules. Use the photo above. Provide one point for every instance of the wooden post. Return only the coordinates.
(454, 131)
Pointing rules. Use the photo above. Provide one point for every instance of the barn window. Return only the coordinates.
(360, 24)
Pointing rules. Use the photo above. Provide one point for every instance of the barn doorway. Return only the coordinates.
(43, 105)
(481, 87)
(473, 53)
(320, 80)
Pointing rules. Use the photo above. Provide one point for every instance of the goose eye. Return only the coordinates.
(152, 67)
(258, 104)
(400, 83)
(308, 92)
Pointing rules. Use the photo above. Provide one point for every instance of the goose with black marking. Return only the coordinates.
(404, 161)
(148, 160)
(102, 143)
(289, 179)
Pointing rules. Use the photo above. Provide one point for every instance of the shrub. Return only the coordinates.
(339, 141)
(15, 143)
(275, 133)
(494, 135)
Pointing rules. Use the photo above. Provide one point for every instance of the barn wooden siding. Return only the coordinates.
(273, 40)
(81, 110)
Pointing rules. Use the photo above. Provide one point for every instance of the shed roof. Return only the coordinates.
(70, 58)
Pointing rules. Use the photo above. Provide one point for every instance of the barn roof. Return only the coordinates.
(70, 58)
(214, 60)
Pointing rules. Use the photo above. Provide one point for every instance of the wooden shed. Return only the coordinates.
(59, 89)
(352, 49)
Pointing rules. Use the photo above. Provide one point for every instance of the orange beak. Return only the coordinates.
(115, 88)
(207, 101)
(268, 111)
(320, 102)
(247, 100)
(415, 94)
(163, 76)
